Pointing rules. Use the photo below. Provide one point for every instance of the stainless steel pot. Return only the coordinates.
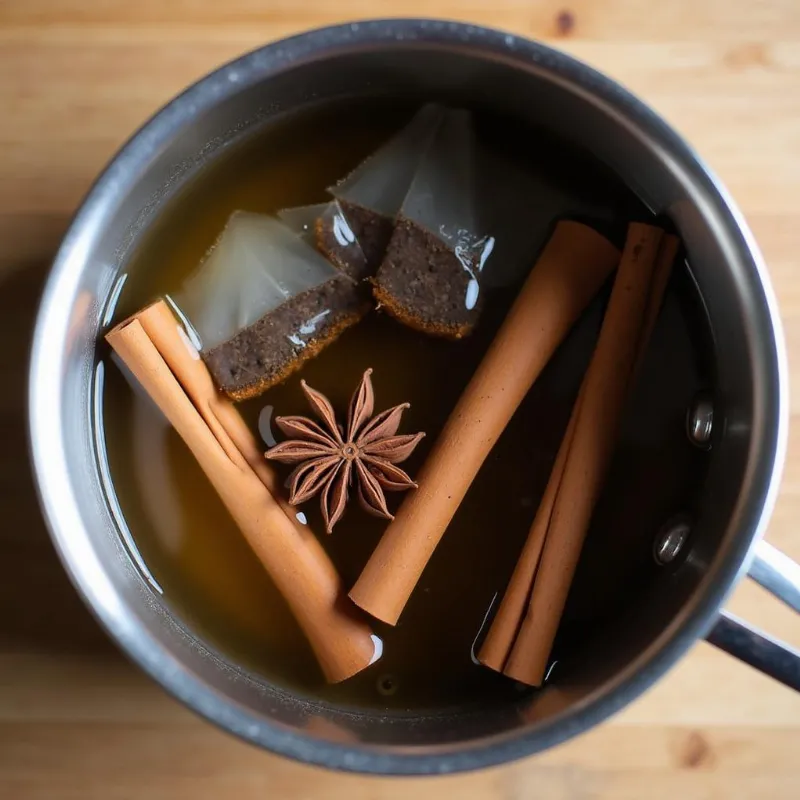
(542, 86)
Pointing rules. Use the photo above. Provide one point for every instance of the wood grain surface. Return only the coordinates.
(76, 77)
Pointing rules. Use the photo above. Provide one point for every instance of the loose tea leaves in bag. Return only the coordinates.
(430, 276)
(263, 302)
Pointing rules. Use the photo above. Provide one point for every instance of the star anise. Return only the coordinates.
(330, 458)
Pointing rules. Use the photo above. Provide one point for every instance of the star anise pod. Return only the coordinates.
(330, 458)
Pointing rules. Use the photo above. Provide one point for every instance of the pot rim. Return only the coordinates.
(61, 507)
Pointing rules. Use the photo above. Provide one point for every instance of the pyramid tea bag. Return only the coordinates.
(520, 204)
(325, 226)
(264, 301)
(430, 277)
(517, 206)
(370, 197)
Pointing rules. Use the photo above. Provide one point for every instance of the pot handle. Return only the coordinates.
(778, 574)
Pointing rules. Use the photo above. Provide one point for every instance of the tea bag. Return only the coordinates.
(264, 301)
(430, 277)
(325, 226)
(520, 204)
(519, 208)
(370, 197)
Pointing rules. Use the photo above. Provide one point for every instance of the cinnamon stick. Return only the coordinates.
(290, 553)
(219, 413)
(573, 265)
(665, 260)
(505, 626)
(630, 316)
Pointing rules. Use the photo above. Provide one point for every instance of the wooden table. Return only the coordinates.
(77, 721)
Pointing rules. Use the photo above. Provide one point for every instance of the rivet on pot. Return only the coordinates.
(700, 421)
(670, 541)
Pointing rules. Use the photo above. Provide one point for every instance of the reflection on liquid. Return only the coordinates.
(265, 426)
(377, 653)
(79, 320)
(342, 231)
(111, 306)
(307, 329)
(186, 328)
(108, 485)
(481, 628)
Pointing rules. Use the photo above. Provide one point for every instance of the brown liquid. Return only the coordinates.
(199, 559)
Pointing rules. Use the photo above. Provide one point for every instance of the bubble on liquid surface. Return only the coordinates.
(387, 685)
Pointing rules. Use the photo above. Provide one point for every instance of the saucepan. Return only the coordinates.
(743, 418)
